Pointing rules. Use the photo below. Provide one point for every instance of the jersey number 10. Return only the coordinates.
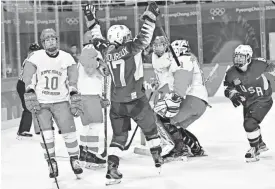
(53, 81)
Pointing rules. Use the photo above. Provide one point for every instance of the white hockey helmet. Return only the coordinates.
(160, 45)
(242, 56)
(181, 47)
(51, 46)
(119, 34)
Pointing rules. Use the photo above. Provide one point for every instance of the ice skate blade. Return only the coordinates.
(94, 166)
(159, 170)
(23, 138)
(112, 181)
(181, 158)
(78, 176)
(251, 160)
(263, 150)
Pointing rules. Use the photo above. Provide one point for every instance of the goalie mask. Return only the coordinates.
(119, 34)
(181, 47)
(160, 46)
(242, 56)
(168, 106)
(49, 41)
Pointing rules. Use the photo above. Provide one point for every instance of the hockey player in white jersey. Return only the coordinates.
(90, 83)
(184, 81)
(56, 85)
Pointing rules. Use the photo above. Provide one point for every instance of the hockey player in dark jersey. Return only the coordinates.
(246, 84)
(128, 101)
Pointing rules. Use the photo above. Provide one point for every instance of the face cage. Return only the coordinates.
(159, 49)
(56, 47)
(240, 60)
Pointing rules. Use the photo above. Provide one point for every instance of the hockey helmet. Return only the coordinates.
(242, 57)
(160, 45)
(119, 34)
(181, 47)
(51, 46)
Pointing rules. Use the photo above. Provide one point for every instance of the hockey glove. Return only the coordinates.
(236, 98)
(151, 12)
(90, 16)
(103, 68)
(76, 104)
(31, 101)
(104, 102)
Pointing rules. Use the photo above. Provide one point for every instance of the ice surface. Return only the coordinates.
(220, 132)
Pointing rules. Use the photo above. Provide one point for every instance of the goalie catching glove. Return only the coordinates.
(31, 101)
(168, 106)
(76, 104)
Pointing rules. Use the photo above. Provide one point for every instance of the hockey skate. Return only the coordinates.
(113, 176)
(24, 135)
(82, 155)
(156, 154)
(252, 155)
(262, 147)
(75, 164)
(176, 155)
(93, 161)
(54, 171)
(196, 152)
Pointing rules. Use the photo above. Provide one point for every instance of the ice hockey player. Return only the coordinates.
(186, 82)
(49, 98)
(93, 102)
(247, 85)
(26, 119)
(128, 100)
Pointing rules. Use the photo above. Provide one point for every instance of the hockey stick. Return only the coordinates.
(131, 140)
(211, 73)
(48, 154)
(169, 44)
(104, 153)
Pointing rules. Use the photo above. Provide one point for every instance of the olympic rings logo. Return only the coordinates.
(72, 21)
(217, 11)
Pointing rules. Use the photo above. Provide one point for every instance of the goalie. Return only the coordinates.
(181, 97)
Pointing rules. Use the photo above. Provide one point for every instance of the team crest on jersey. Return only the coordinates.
(237, 81)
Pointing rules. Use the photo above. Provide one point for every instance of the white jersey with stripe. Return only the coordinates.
(89, 85)
(161, 67)
(52, 76)
(196, 86)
